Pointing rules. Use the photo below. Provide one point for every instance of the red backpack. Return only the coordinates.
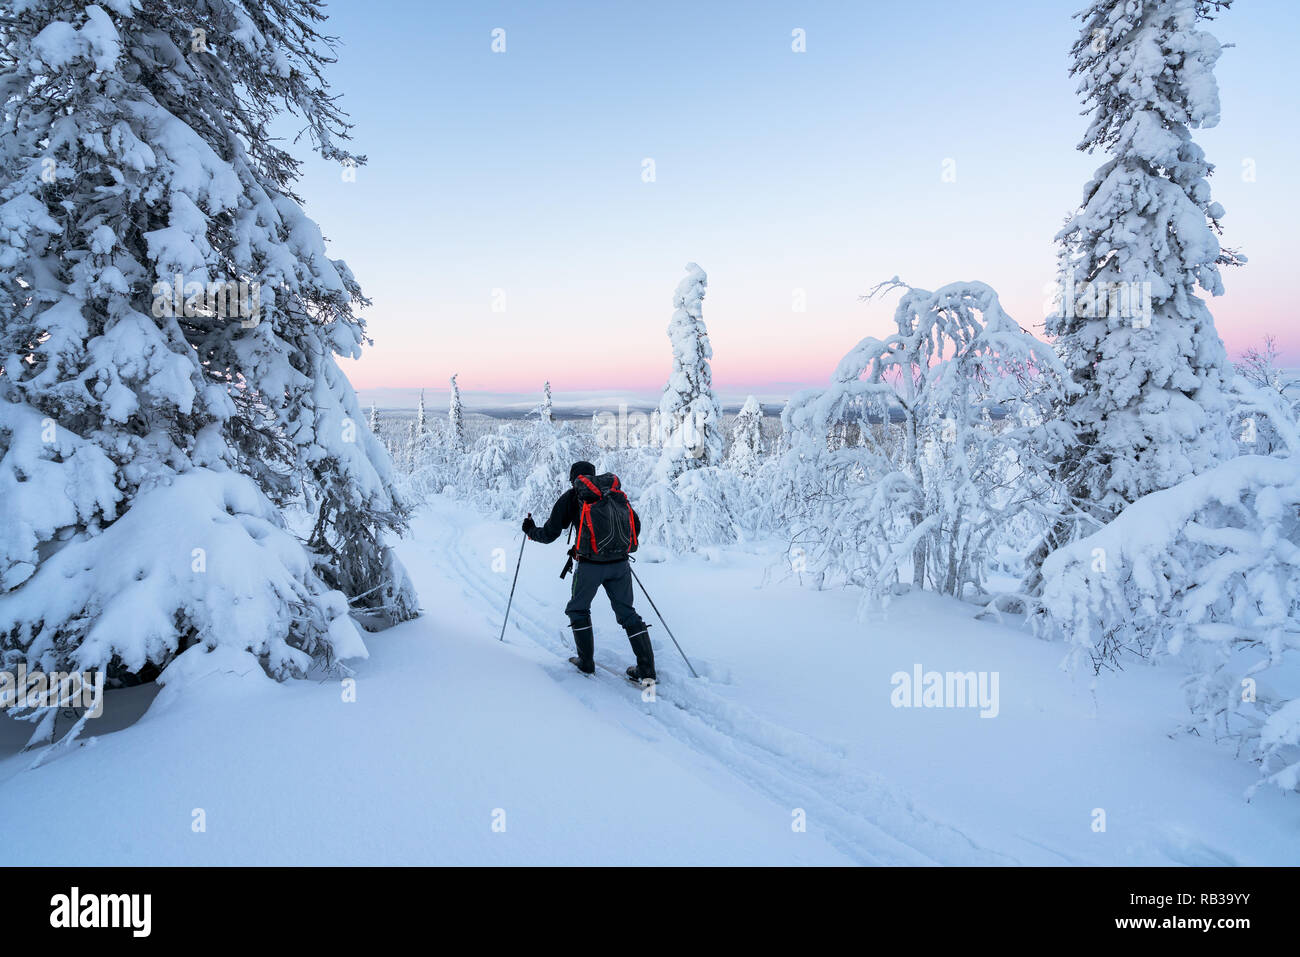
(606, 522)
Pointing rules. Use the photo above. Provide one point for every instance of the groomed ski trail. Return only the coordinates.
(865, 817)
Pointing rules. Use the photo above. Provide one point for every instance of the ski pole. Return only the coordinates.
(665, 624)
(515, 582)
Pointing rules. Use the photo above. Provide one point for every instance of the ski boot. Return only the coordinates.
(644, 669)
(584, 660)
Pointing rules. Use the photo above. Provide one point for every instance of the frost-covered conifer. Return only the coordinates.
(747, 438)
(546, 411)
(169, 322)
(1138, 340)
(456, 419)
(689, 417)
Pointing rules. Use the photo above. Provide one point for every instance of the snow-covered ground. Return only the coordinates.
(460, 749)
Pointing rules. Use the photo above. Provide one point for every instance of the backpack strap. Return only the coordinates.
(631, 517)
(585, 516)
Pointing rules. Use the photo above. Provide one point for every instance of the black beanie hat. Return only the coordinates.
(581, 468)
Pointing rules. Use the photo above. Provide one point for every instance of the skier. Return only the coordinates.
(607, 529)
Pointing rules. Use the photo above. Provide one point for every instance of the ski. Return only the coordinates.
(624, 675)
(607, 669)
(636, 682)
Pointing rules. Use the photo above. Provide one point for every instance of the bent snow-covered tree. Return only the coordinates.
(1260, 368)
(930, 478)
(1207, 572)
(1141, 345)
(169, 320)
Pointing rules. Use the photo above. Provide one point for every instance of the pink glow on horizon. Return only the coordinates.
(478, 375)
(762, 353)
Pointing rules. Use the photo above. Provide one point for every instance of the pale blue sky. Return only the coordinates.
(775, 171)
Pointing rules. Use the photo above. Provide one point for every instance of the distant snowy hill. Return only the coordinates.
(567, 404)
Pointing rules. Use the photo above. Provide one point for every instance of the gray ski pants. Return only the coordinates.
(588, 577)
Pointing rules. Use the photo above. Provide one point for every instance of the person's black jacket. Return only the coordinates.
(565, 514)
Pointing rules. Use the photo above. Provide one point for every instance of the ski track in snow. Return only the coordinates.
(863, 816)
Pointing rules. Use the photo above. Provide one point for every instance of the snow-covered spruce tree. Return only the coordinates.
(681, 509)
(373, 421)
(930, 476)
(424, 458)
(1150, 410)
(456, 419)
(690, 422)
(494, 470)
(1200, 561)
(747, 438)
(546, 411)
(148, 433)
(753, 502)
(411, 448)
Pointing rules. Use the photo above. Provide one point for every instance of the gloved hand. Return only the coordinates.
(529, 525)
